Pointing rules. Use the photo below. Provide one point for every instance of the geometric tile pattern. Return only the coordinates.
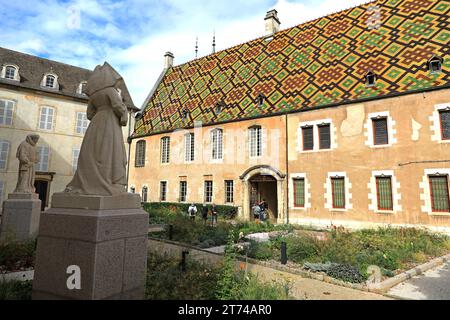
(315, 64)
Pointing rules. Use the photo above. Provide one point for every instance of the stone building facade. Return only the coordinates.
(344, 120)
(44, 97)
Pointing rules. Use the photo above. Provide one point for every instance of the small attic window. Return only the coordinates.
(219, 107)
(184, 114)
(260, 99)
(11, 72)
(371, 79)
(50, 80)
(82, 88)
(435, 64)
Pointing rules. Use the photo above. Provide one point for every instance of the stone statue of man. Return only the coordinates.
(28, 157)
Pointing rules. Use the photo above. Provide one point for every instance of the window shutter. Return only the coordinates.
(439, 193)
(384, 193)
(308, 138)
(380, 131)
(325, 136)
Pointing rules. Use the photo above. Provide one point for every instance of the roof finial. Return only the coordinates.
(214, 42)
(196, 48)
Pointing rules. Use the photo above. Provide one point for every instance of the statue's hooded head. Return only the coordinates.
(107, 77)
(32, 139)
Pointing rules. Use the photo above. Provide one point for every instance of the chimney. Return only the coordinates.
(168, 60)
(272, 22)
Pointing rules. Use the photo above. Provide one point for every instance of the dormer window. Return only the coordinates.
(435, 64)
(371, 79)
(11, 72)
(184, 114)
(82, 88)
(50, 80)
(260, 99)
(219, 107)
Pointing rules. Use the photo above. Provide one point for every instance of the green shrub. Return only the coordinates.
(302, 248)
(225, 212)
(251, 288)
(345, 272)
(260, 251)
(166, 281)
(15, 290)
(16, 256)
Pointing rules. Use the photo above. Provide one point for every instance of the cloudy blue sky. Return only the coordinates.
(133, 35)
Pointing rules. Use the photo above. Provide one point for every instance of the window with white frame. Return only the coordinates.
(82, 87)
(183, 191)
(189, 147)
(46, 119)
(384, 195)
(139, 160)
(4, 151)
(165, 150)
(50, 81)
(299, 192)
(255, 141)
(6, 112)
(444, 119)
(44, 158)
(229, 191)
(380, 130)
(208, 191)
(163, 191)
(439, 193)
(217, 144)
(338, 195)
(75, 156)
(440, 123)
(10, 73)
(82, 123)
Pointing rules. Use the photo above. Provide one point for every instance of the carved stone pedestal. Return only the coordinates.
(20, 218)
(104, 237)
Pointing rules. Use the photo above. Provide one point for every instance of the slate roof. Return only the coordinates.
(316, 64)
(32, 70)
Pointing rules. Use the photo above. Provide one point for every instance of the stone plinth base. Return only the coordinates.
(20, 218)
(108, 245)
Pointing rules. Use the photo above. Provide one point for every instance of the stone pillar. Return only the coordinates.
(106, 237)
(20, 218)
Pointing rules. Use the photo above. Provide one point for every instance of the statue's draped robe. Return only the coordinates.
(102, 162)
(27, 155)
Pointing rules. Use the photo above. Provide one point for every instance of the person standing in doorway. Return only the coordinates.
(263, 210)
(256, 211)
(192, 212)
(214, 215)
(205, 211)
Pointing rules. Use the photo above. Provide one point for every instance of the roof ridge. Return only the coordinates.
(282, 30)
(41, 58)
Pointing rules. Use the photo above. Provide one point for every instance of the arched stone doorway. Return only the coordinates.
(264, 182)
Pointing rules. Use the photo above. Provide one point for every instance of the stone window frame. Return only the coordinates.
(75, 163)
(436, 126)
(80, 88)
(83, 131)
(425, 192)
(189, 147)
(14, 103)
(16, 73)
(369, 130)
(308, 196)
(53, 122)
(373, 197)
(316, 138)
(44, 81)
(329, 192)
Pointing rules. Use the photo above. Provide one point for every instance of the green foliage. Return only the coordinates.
(15, 290)
(251, 288)
(345, 272)
(260, 250)
(166, 281)
(17, 256)
(224, 212)
(250, 227)
(227, 281)
(302, 248)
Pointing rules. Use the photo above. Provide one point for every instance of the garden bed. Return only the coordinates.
(17, 256)
(347, 256)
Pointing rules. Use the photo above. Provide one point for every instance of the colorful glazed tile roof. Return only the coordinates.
(318, 63)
